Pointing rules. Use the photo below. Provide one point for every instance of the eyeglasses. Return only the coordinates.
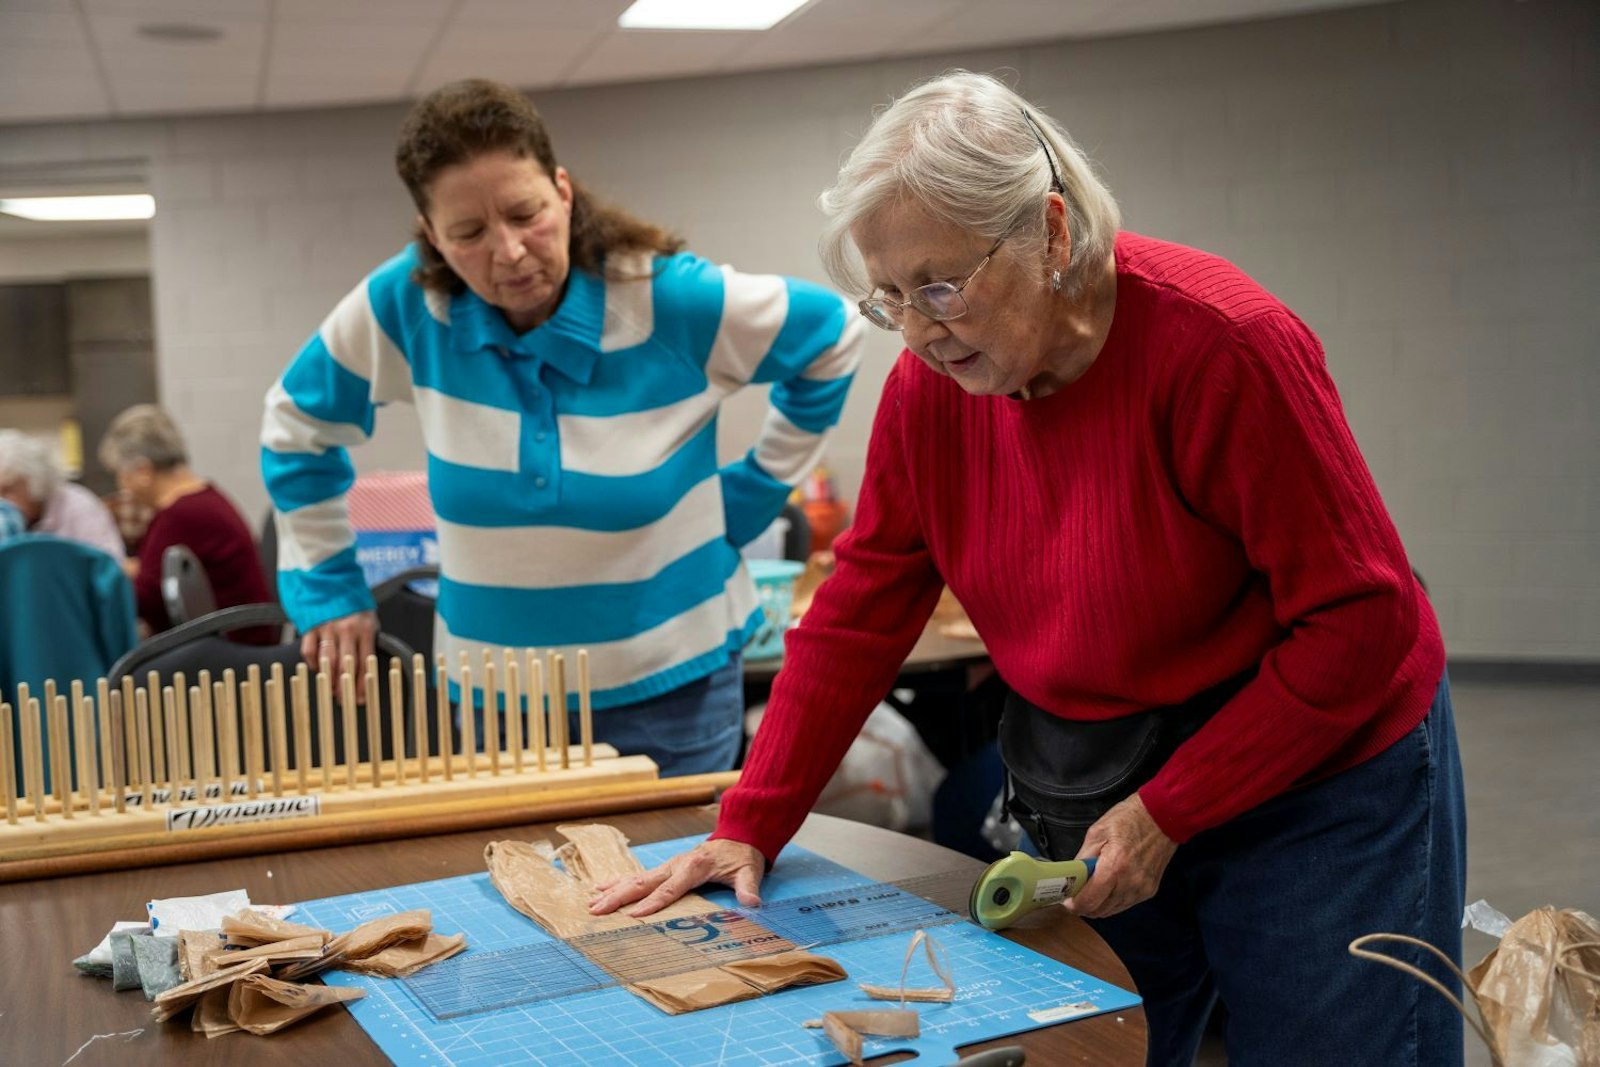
(939, 301)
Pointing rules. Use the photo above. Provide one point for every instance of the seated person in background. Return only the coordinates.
(33, 481)
(11, 524)
(143, 448)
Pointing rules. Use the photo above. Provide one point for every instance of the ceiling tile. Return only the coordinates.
(55, 28)
(165, 96)
(539, 60)
(61, 91)
(640, 55)
(541, 15)
(177, 10)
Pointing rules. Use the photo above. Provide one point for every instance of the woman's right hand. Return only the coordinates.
(731, 863)
(352, 635)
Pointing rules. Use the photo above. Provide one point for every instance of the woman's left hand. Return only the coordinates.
(1131, 854)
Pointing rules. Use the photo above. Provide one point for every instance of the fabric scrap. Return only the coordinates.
(157, 960)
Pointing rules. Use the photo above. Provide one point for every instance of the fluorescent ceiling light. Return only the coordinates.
(80, 208)
(707, 14)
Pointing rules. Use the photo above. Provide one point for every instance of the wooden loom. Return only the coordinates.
(170, 773)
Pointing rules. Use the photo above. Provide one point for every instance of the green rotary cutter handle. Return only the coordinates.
(1009, 888)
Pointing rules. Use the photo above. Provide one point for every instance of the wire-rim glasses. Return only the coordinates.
(939, 301)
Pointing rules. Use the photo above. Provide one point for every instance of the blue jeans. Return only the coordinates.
(1258, 913)
(696, 728)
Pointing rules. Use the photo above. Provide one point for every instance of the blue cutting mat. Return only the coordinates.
(1001, 988)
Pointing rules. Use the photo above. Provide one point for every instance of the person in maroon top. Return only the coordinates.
(145, 450)
(1130, 465)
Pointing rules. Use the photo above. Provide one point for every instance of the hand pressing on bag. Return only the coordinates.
(730, 863)
(1131, 854)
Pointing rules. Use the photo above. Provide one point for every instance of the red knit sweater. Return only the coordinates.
(1194, 506)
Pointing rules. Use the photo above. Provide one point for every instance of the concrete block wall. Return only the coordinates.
(1419, 180)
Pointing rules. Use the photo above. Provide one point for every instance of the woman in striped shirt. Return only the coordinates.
(567, 363)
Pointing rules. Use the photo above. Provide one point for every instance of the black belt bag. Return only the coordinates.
(1062, 775)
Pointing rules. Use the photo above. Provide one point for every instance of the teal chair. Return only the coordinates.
(67, 614)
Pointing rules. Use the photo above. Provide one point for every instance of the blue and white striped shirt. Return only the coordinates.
(573, 468)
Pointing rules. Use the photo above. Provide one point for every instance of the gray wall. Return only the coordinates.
(1421, 181)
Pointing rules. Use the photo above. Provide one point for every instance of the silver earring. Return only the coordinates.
(1055, 279)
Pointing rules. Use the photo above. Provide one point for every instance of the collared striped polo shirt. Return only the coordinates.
(573, 468)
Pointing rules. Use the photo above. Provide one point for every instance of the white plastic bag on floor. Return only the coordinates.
(886, 779)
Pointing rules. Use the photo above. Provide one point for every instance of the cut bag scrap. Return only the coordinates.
(557, 898)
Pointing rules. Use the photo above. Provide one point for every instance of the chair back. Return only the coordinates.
(185, 588)
(406, 613)
(66, 614)
(199, 645)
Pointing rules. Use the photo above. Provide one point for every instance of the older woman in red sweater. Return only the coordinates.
(1129, 463)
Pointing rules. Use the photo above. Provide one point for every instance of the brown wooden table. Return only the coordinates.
(50, 1014)
(932, 652)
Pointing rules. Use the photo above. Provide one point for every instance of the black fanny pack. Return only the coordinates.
(1062, 775)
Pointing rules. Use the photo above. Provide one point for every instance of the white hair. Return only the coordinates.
(967, 149)
(30, 460)
(142, 432)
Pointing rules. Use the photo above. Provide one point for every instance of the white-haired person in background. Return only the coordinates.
(32, 479)
(145, 450)
(1129, 463)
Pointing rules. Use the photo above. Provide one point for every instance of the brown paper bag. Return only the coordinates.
(265, 1005)
(1537, 992)
(558, 900)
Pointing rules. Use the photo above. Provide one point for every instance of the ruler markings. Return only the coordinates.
(474, 983)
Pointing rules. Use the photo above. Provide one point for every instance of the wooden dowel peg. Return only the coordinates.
(119, 751)
(536, 715)
(180, 698)
(103, 705)
(32, 763)
(276, 717)
(585, 712)
(61, 759)
(397, 719)
(88, 765)
(469, 718)
(207, 770)
(158, 733)
(75, 743)
(558, 708)
(419, 714)
(369, 679)
(491, 713)
(55, 713)
(347, 708)
(130, 757)
(302, 725)
(8, 764)
(514, 712)
(325, 714)
(278, 709)
(197, 735)
(447, 741)
(52, 781)
(169, 716)
(141, 728)
(227, 745)
(206, 755)
(251, 703)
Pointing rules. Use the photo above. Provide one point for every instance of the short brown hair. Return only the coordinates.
(467, 119)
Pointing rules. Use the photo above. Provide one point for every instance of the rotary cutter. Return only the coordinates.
(1011, 887)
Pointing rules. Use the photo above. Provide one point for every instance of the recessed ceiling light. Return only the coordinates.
(80, 208)
(707, 14)
(182, 32)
